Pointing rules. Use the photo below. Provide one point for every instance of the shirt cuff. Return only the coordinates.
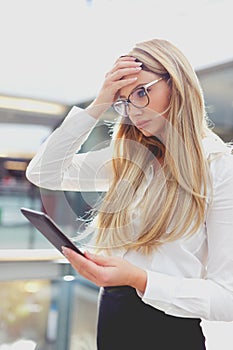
(160, 287)
(177, 295)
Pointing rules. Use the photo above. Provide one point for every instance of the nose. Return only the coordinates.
(134, 112)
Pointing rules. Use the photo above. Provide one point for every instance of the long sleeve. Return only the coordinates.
(209, 297)
(57, 166)
(179, 281)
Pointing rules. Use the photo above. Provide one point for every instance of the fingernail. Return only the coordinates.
(65, 251)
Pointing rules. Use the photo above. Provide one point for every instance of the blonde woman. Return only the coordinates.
(163, 230)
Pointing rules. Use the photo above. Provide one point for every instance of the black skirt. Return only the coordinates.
(125, 322)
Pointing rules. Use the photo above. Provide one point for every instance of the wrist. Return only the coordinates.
(139, 279)
(97, 108)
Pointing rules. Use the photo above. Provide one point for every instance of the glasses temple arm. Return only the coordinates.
(152, 83)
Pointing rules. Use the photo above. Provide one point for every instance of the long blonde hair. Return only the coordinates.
(159, 191)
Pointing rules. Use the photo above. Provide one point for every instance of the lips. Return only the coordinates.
(141, 124)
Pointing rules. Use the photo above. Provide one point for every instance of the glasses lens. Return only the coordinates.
(139, 98)
(121, 107)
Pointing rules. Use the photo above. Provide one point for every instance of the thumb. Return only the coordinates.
(98, 259)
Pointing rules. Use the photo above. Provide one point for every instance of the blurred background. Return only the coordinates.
(54, 54)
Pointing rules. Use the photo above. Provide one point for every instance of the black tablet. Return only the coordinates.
(49, 229)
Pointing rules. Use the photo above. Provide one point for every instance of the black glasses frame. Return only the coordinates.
(123, 104)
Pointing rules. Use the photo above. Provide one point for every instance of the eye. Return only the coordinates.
(140, 93)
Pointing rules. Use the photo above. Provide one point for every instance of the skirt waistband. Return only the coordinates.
(120, 290)
(125, 291)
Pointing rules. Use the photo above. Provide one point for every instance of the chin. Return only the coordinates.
(147, 133)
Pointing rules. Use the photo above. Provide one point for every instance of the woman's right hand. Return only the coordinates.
(117, 78)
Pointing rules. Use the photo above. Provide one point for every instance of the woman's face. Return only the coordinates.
(149, 119)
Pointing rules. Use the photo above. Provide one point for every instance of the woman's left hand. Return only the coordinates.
(107, 270)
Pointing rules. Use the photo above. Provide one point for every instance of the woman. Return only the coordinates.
(164, 227)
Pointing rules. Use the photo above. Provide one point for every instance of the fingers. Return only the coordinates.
(126, 58)
(81, 264)
(86, 267)
(120, 63)
(124, 66)
(124, 71)
(124, 61)
(98, 259)
(120, 75)
(73, 257)
(102, 270)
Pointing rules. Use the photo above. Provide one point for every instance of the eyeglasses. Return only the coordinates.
(139, 98)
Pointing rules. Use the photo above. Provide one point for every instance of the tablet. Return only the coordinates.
(49, 229)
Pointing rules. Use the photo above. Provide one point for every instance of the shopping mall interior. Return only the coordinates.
(46, 305)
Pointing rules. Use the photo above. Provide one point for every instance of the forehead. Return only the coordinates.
(144, 77)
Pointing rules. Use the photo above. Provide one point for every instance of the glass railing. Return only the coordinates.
(46, 305)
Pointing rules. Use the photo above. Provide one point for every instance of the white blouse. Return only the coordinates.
(190, 277)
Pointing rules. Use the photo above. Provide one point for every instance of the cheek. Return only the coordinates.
(156, 125)
(160, 102)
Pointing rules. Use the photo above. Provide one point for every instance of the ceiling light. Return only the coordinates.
(31, 105)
